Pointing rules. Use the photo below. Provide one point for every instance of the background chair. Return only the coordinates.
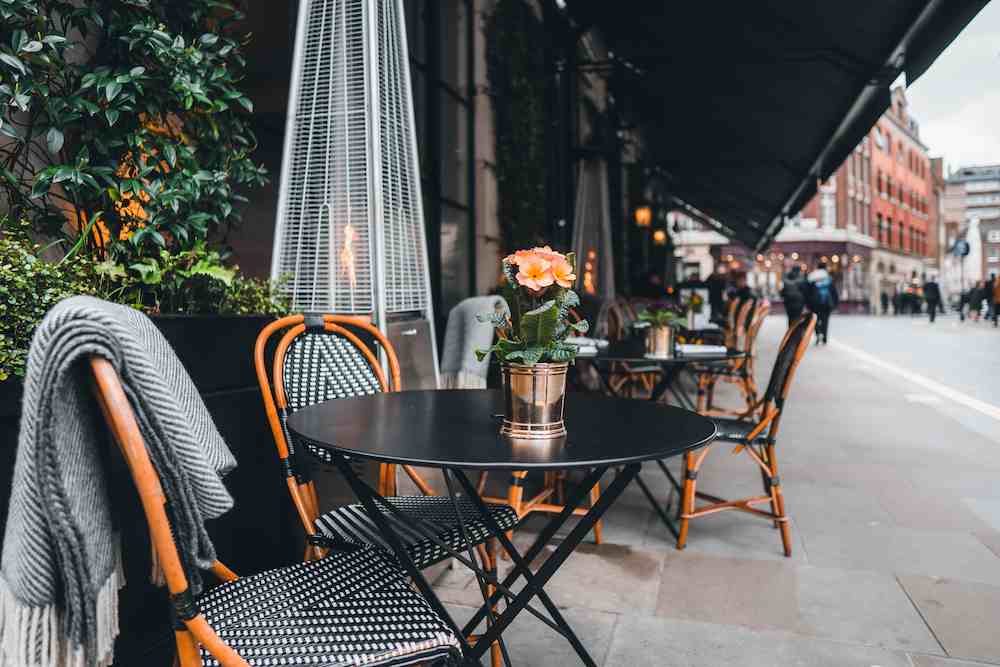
(350, 608)
(754, 433)
(738, 371)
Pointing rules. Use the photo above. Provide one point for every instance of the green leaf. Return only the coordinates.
(538, 326)
(246, 103)
(54, 139)
(52, 40)
(109, 269)
(112, 90)
(13, 62)
(18, 39)
(149, 273)
(208, 39)
(112, 116)
(32, 47)
(211, 269)
(137, 71)
(532, 355)
(170, 152)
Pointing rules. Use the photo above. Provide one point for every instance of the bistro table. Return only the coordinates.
(631, 352)
(458, 430)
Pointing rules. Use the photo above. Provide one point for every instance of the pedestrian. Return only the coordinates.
(932, 294)
(897, 301)
(996, 300)
(988, 295)
(793, 293)
(885, 303)
(823, 300)
(976, 301)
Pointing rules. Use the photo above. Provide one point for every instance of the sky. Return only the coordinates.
(957, 101)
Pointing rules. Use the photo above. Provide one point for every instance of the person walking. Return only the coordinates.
(991, 303)
(996, 300)
(716, 285)
(885, 303)
(793, 293)
(976, 301)
(932, 295)
(823, 299)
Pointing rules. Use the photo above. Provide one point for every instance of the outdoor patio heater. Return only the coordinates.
(349, 237)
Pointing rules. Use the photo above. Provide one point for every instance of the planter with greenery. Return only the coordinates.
(125, 145)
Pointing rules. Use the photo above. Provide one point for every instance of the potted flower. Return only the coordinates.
(531, 341)
(662, 320)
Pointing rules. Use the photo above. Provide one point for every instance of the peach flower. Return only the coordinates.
(534, 273)
(547, 253)
(562, 272)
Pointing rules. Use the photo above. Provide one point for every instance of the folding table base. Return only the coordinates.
(488, 581)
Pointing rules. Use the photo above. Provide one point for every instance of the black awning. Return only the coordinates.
(744, 105)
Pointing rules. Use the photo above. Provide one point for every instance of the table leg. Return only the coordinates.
(534, 582)
(666, 382)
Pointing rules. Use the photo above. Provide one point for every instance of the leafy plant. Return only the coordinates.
(662, 315)
(192, 281)
(537, 290)
(125, 132)
(517, 75)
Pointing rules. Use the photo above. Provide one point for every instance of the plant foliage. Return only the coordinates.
(662, 315)
(124, 129)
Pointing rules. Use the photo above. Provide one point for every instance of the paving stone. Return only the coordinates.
(862, 607)
(678, 643)
(963, 615)
(903, 551)
(938, 661)
(533, 644)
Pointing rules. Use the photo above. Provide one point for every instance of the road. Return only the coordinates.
(964, 356)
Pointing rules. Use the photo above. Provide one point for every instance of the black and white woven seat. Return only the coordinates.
(322, 358)
(350, 608)
(353, 525)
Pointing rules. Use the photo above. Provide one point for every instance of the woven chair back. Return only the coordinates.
(793, 348)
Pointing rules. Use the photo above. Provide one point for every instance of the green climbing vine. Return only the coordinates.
(516, 74)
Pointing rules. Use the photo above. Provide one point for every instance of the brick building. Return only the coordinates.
(875, 222)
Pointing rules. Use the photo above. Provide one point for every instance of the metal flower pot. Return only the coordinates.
(533, 400)
(660, 342)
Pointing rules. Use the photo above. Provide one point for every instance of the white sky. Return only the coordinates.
(957, 101)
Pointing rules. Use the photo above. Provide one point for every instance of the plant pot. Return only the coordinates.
(690, 319)
(533, 400)
(660, 342)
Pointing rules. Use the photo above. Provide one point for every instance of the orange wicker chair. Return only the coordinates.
(348, 608)
(755, 433)
(740, 371)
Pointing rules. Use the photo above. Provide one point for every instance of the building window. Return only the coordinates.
(994, 256)
(993, 236)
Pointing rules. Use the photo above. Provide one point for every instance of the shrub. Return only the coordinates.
(125, 129)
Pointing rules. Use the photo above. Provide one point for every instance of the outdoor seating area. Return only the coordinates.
(491, 332)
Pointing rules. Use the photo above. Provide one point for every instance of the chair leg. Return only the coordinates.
(515, 494)
(687, 499)
(595, 494)
(187, 650)
(487, 555)
(778, 501)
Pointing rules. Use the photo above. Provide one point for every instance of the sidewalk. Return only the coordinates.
(895, 506)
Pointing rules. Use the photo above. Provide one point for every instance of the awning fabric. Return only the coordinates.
(744, 105)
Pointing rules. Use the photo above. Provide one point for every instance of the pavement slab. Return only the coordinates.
(963, 615)
(864, 607)
(640, 640)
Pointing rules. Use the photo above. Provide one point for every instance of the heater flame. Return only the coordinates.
(347, 257)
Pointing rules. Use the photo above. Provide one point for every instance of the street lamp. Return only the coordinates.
(643, 216)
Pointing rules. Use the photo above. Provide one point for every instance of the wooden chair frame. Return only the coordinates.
(767, 413)
(192, 628)
(301, 488)
(740, 372)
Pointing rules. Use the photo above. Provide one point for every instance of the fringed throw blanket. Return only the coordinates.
(464, 335)
(61, 571)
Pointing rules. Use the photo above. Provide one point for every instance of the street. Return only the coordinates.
(890, 461)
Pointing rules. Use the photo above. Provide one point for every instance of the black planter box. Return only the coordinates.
(260, 533)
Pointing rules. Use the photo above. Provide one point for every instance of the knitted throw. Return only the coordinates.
(61, 569)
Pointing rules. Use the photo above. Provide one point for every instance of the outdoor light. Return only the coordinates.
(795, 255)
(643, 216)
(660, 237)
(760, 258)
(836, 258)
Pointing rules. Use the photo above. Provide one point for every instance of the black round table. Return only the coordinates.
(457, 430)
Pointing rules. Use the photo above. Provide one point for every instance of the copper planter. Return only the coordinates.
(660, 342)
(533, 400)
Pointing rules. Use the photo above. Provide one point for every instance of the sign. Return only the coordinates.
(961, 248)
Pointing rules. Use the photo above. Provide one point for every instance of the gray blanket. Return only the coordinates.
(61, 565)
(463, 336)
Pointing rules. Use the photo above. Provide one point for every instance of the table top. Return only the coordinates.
(458, 428)
(633, 351)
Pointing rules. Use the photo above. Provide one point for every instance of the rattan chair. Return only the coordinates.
(349, 608)
(755, 433)
(738, 371)
(325, 357)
